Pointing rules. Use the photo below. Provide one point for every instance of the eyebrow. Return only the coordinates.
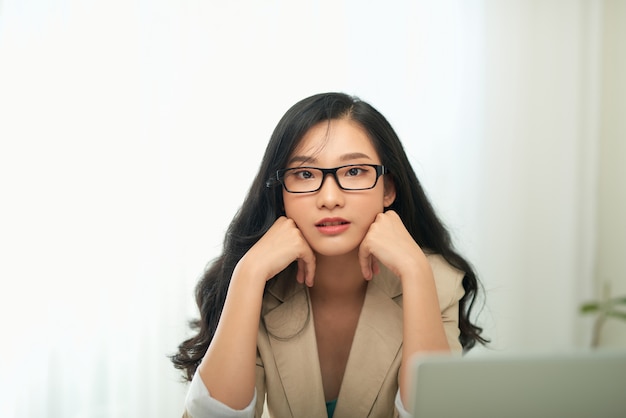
(343, 158)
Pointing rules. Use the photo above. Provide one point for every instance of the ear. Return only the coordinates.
(390, 192)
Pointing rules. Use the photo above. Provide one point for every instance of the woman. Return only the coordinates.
(335, 272)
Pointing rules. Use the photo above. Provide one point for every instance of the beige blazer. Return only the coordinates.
(288, 369)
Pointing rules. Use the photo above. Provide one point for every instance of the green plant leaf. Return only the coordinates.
(616, 314)
(590, 307)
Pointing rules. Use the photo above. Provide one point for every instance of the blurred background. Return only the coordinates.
(131, 130)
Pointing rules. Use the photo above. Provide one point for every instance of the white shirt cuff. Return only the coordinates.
(199, 403)
(403, 413)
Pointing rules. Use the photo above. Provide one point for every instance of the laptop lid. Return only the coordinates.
(576, 384)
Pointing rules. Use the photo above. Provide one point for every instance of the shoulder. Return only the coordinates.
(285, 308)
(282, 289)
(448, 280)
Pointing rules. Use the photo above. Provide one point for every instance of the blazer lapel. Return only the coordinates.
(376, 344)
(292, 337)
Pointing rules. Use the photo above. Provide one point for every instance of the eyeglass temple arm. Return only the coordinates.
(272, 181)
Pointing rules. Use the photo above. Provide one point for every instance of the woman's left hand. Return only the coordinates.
(387, 241)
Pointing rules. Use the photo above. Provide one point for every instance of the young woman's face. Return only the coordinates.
(332, 220)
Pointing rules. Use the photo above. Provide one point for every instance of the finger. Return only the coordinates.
(300, 275)
(365, 261)
(375, 266)
(309, 269)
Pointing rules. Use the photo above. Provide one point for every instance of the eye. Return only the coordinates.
(302, 174)
(356, 171)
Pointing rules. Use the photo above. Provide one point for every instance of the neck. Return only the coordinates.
(338, 278)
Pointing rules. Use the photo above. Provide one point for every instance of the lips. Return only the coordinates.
(332, 226)
(331, 223)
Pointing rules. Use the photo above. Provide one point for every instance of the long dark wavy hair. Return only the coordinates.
(263, 205)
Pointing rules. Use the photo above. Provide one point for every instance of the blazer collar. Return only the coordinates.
(284, 286)
(289, 324)
(376, 344)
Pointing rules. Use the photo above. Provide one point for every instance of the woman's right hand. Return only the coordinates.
(228, 368)
(282, 244)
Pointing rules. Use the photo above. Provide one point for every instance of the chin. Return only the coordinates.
(334, 250)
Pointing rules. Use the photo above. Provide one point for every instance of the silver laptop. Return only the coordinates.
(585, 384)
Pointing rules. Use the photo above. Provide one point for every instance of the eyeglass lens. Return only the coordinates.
(352, 177)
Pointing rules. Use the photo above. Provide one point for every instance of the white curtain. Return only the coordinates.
(130, 131)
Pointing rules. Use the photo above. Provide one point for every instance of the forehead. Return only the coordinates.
(333, 139)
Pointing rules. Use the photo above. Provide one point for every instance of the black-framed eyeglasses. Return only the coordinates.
(310, 179)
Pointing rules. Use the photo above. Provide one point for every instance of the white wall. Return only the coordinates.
(533, 224)
(612, 168)
(129, 133)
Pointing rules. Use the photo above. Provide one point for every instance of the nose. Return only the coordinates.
(330, 194)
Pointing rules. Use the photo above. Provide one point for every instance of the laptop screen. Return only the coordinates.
(575, 384)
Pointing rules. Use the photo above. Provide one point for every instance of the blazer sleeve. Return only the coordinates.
(449, 283)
